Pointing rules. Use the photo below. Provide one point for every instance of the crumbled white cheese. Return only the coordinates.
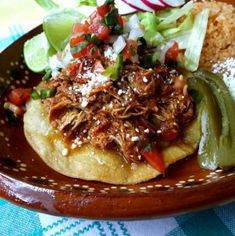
(145, 80)
(120, 92)
(110, 54)
(73, 146)
(227, 69)
(65, 152)
(135, 138)
(146, 131)
(96, 80)
(60, 60)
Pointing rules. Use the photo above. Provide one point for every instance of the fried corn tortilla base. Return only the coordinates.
(90, 163)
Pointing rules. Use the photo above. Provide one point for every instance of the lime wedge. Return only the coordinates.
(36, 52)
(58, 27)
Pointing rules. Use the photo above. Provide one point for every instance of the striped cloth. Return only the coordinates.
(16, 221)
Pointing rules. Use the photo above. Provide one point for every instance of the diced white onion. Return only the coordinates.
(163, 50)
(135, 34)
(134, 22)
(55, 65)
(119, 44)
(60, 60)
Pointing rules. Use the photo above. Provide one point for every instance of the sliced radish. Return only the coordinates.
(100, 2)
(155, 5)
(173, 3)
(123, 8)
(138, 5)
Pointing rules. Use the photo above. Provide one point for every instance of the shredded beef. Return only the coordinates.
(144, 106)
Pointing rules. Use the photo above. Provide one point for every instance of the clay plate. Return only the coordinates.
(28, 182)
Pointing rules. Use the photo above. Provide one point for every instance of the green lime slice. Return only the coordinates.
(58, 26)
(36, 52)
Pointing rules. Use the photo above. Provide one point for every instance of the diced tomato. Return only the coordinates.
(103, 10)
(169, 135)
(79, 28)
(154, 157)
(98, 67)
(76, 40)
(126, 53)
(95, 18)
(77, 55)
(89, 51)
(73, 69)
(121, 21)
(101, 31)
(19, 96)
(172, 53)
(130, 47)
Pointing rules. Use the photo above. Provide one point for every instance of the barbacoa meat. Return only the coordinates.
(144, 106)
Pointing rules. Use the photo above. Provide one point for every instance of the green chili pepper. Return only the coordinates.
(217, 144)
(79, 47)
(114, 71)
(47, 76)
(95, 40)
(42, 93)
(150, 60)
(211, 126)
(111, 18)
(47, 93)
(226, 152)
(35, 95)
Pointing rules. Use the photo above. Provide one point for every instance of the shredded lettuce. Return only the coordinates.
(182, 39)
(48, 5)
(149, 21)
(88, 2)
(195, 42)
(173, 15)
(161, 26)
(185, 26)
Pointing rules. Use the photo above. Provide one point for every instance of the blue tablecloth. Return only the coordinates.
(16, 221)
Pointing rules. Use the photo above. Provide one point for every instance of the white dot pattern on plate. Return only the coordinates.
(19, 167)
